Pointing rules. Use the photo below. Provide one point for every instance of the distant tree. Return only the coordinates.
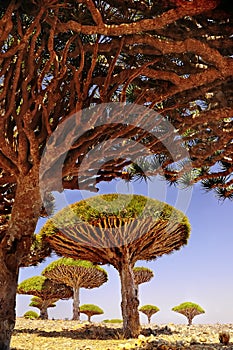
(45, 289)
(90, 310)
(149, 310)
(42, 305)
(76, 274)
(31, 314)
(189, 309)
(118, 230)
(142, 275)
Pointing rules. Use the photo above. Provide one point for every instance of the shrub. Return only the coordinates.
(113, 320)
(31, 314)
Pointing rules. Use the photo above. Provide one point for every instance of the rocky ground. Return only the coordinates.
(71, 335)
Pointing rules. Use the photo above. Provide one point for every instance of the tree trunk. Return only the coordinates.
(89, 318)
(190, 320)
(8, 286)
(15, 242)
(149, 318)
(129, 303)
(76, 302)
(44, 313)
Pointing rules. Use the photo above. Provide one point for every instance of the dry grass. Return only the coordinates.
(72, 335)
(60, 335)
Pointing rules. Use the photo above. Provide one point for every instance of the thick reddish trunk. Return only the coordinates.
(190, 319)
(8, 286)
(15, 243)
(76, 302)
(129, 303)
(44, 313)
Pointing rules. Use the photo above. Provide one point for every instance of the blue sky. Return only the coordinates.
(200, 272)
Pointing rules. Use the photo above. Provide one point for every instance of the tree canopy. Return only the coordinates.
(174, 57)
(189, 309)
(149, 310)
(111, 222)
(43, 305)
(119, 230)
(44, 288)
(75, 274)
(90, 310)
(142, 274)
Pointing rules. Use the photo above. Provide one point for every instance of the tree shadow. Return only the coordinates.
(92, 332)
(100, 332)
(87, 332)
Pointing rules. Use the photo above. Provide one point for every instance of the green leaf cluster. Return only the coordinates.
(91, 308)
(38, 302)
(149, 307)
(72, 262)
(31, 314)
(142, 268)
(188, 305)
(36, 283)
(119, 205)
(113, 320)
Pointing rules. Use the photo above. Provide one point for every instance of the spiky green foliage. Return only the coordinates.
(101, 222)
(188, 305)
(149, 310)
(43, 303)
(189, 309)
(36, 283)
(76, 274)
(90, 310)
(38, 302)
(117, 205)
(119, 230)
(142, 274)
(142, 268)
(113, 320)
(31, 314)
(149, 307)
(44, 288)
(72, 262)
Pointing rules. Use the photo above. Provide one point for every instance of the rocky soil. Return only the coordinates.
(71, 335)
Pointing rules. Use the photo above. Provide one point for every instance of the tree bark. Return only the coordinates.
(76, 302)
(44, 313)
(15, 243)
(8, 286)
(129, 303)
(190, 318)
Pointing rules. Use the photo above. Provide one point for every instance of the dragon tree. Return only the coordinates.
(57, 58)
(46, 290)
(118, 230)
(90, 310)
(141, 275)
(76, 274)
(189, 310)
(43, 305)
(149, 311)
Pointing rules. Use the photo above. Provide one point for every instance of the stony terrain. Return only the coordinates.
(61, 335)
